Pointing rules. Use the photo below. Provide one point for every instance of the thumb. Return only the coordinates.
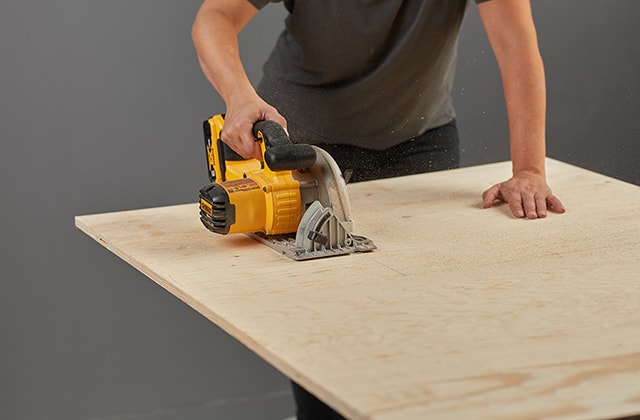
(490, 196)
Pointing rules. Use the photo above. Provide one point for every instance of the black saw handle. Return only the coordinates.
(280, 153)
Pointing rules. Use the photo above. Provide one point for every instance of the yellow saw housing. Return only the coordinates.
(248, 195)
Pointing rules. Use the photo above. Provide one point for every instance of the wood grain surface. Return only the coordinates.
(461, 312)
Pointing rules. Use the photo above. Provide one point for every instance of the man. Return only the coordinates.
(370, 81)
(510, 29)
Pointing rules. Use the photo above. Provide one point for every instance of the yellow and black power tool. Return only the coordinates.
(294, 200)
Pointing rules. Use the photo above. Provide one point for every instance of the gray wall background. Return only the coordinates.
(100, 110)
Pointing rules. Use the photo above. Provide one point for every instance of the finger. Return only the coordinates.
(554, 204)
(541, 205)
(240, 141)
(529, 205)
(516, 205)
(490, 196)
(249, 147)
(257, 151)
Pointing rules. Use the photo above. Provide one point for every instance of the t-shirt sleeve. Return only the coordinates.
(259, 4)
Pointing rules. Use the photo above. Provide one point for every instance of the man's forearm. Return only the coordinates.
(525, 95)
(215, 37)
(511, 31)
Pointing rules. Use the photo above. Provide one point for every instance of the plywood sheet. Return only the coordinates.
(460, 313)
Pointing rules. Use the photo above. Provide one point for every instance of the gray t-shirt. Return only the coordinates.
(370, 73)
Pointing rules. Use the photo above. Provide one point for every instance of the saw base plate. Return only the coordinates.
(286, 245)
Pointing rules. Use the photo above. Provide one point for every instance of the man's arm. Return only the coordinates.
(511, 31)
(215, 37)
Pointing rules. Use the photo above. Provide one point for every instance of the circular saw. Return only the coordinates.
(294, 200)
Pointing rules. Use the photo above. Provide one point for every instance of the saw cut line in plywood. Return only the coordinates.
(461, 312)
